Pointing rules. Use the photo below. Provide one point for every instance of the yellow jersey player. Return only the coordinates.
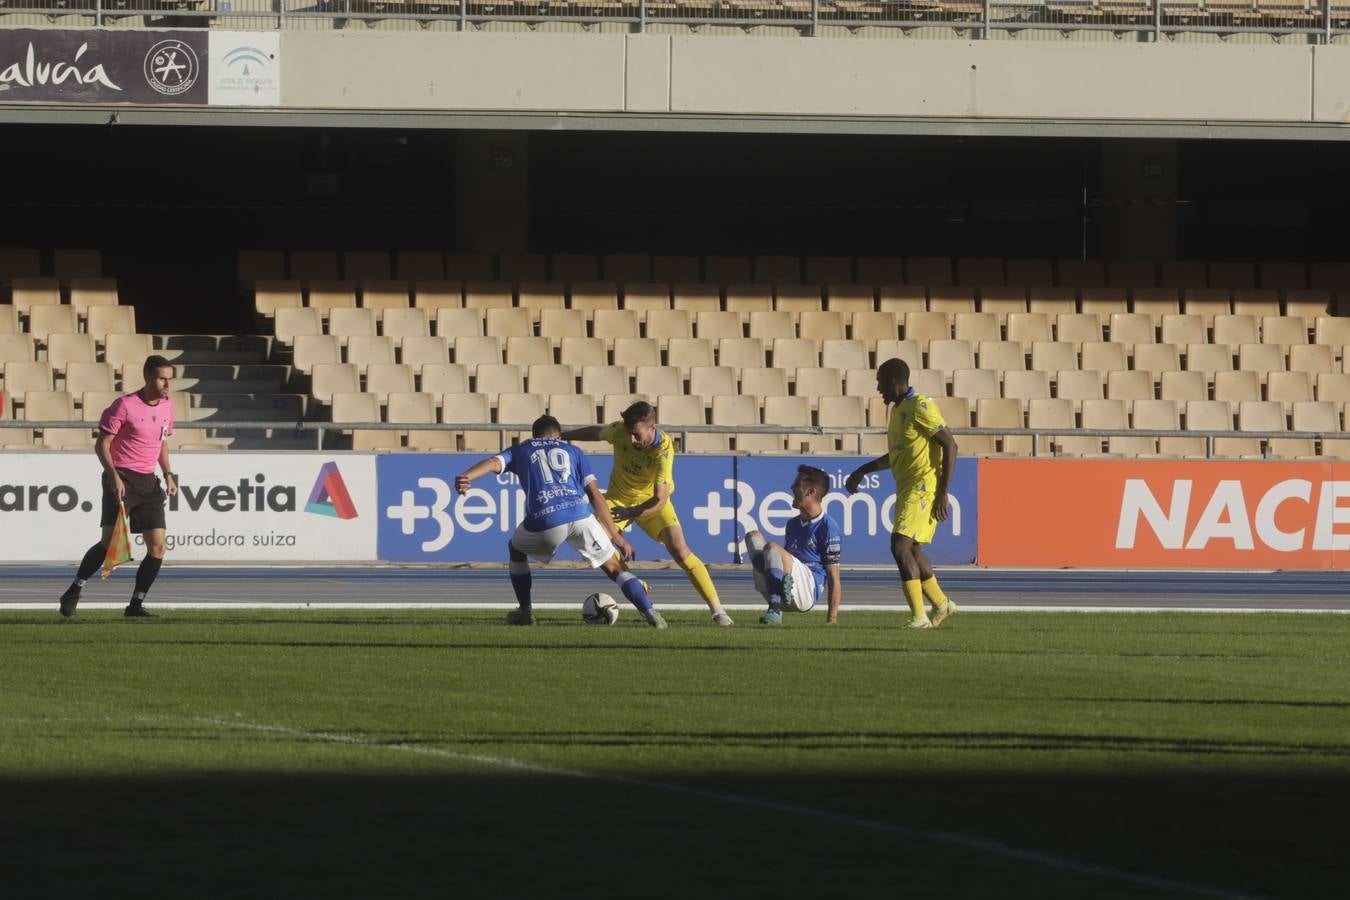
(639, 491)
(921, 454)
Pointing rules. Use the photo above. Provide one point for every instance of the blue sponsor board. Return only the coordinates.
(764, 501)
(422, 519)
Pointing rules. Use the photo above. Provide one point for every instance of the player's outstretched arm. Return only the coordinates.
(589, 433)
(490, 465)
(866, 468)
(943, 438)
(836, 592)
(606, 520)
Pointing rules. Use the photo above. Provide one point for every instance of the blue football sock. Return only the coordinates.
(521, 580)
(773, 577)
(632, 589)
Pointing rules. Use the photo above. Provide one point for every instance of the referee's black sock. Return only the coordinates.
(93, 558)
(145, 576)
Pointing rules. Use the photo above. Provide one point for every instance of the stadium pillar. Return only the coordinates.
(1139, 196)
(492, 191)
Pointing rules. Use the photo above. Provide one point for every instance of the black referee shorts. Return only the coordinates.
(144, 500)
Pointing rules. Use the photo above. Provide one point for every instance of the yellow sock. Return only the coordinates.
(933, 592)
(914, 594)
(702, 581)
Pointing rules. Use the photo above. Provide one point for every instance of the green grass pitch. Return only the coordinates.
(444, 754)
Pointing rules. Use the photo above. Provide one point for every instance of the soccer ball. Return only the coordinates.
(600, 609)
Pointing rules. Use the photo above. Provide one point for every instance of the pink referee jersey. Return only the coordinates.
(138, 431)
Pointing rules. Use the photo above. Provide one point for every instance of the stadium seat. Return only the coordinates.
(1209, 359)
(1261, 359)
(19, 263)
(976, 327)
(1044, 413)
(821, 325)
(574, 268)
(625, 267)
(871, 327)
(512, 267)
(925, 327)
(728, 410)
(519, 408)
(777, 269)
(1329, 276)
(976, 384)
(86, 293)
(26, 293)
(841, 354)
(64, 349)
(612, 324)
(632, 352)
(1183, 387)
(1157, 303)
(676, 269)
(679, 409)
(327, 379)
(327, 295)
(493, 379)
(1131, 273)
(1006, 413)
(1217, 415)
(314, 265)
(583, 351)
(362, 407)
(1028, 328)
(696, 298)
(47, 320)
(1114, 414)
(443, 378)
(928, 270)
(949, 355)
(686, 353)
(364, 350)
(906, 350)
(665, 324)
(437, 295)
(310, 350)
(1312, 358)
(1183, 274)
(419, 409)
(48, 406)
(404, 322)
(770, 325)
(475, 351)
(951, 300)
(479, 267)
(1268, 415)
(68, 264)
(928, 382)
(385, 295)
(1333, 387)
(817, 382)
(755, 381)
(1103, 302)
(1051, 301)
(1283, 276)
(366, 265)
(1077, 386)
(94, 403)
(1053, 356)
(454, 323)
(834, 270)
(798, 298)
(9, 319)
(1333, 332)
(656, 380)
(1288, 388)
(717, 325)
(420, 265)
(1003, 301)
(782, 411)
(740, 352)
(978, 272)
(842, 412)
(1232, 275)
(850, 299)
(1078, 329)
(383, 379)
(1104, 356)
(1235, 330)
(129, 351)
(1322, 416)
(67, 438)
(1258, 304)
(1164, 415)
(486, 295)
(1183, 329)
(347, 323)
(529, 351)
(470, 409)
(795, 353)
(106, 320)
(504, 323)
(556, 324)
(84, 377)
(549, 378)
(1235, 387)
(900, 300)
(1026, 386)
(1129, 387)
(535, 298)
(1080, 273)
(1209, 304)
(596, 298)
(878, 270)
(743, 299)
(727, 269)
(1001, 356)
(572, 410)
(601, 381)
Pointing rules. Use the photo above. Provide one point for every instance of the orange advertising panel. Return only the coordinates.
(1164, 514)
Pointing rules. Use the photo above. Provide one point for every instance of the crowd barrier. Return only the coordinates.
(282, 508)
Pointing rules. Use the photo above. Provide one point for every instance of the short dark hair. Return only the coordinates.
(153, 364)
(894, 368)
(640, 411)
(816, 478)
(546, 426)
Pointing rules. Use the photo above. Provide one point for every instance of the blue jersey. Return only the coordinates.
(815, 544)
(554, 475)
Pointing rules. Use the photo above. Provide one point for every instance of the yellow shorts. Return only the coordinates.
(914, 512)
(653, 524)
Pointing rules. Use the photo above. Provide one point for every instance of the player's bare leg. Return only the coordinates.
(672, 537)
(93, 558)
(773, 575)
(521, 582)
(907, 557)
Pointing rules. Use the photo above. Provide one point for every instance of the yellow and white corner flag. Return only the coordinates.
(119, 545)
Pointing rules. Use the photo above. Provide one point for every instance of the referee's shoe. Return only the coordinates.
(69, 600)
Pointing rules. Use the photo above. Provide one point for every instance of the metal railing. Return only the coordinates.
(1147, 20)
(506, 430)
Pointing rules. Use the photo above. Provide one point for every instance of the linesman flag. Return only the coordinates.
(119, 545)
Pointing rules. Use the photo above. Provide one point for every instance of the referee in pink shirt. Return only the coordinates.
(130, 443)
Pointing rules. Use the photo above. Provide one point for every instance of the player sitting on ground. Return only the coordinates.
(639, 491)
(562, 503)
(922, 457)
(797, 570)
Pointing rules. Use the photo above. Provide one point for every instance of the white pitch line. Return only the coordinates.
(994, 848)
(223, 604)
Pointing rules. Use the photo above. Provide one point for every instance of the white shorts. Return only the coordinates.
(585, 535)
(803, 596)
